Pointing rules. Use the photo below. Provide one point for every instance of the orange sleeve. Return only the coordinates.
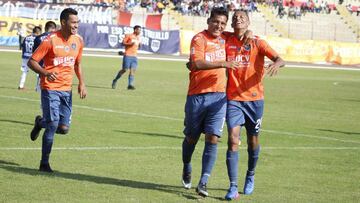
(127, 39)
(42, 50)
(227, 34)
(265, 49)
(79, 56)
(197, 48)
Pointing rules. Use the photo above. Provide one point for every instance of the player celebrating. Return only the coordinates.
(61, 52)
(245, 93)
(205, 107)
(130, 61)
(27, 49)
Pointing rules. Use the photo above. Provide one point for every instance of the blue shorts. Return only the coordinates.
(205, 113)
(56, 106)
(248, 113)
(130, 62)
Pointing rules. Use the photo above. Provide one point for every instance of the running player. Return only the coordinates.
(130, 61)
(61, 52)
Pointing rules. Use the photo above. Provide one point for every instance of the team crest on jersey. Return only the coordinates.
(73, 46)
(247, 47)
(67, 49)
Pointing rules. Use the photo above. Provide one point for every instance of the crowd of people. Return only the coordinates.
(203, 8)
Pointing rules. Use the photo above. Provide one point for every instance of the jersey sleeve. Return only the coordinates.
(197, 48)
(127, 39)
(37, 42)
(79, 56)
(266, 50)
(42, 50)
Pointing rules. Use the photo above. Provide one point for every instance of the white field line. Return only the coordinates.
(163, 148)
(172, 58)
(179, 119)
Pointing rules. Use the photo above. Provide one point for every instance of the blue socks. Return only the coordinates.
(232, 160)
(131, 80)
(117, 76)
(208, 161)
(187, 151)
(253, 158)
(47, 141)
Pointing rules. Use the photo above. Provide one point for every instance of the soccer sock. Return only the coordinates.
(253, 158)
(118, 76)
(22, 79)
(187, 151)
(47, 141)
(232, 160)
(131, 80)
(208, 161)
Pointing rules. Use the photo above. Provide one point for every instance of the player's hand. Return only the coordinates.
(51, 76)
(231, 64)
(82, 91)
(272, 69)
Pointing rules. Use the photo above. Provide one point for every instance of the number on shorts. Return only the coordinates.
(258, 124)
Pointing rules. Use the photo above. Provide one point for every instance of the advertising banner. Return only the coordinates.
(111, 36)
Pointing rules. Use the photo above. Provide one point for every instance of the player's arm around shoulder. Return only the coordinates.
(198, 59)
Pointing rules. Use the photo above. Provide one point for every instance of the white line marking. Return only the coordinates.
(164, 148)
(179, 119)
(311, 136)
(172, 58)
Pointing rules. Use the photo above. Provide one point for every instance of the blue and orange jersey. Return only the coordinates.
(246, 82)
(60, 56)
(206, 47)
(131, 50)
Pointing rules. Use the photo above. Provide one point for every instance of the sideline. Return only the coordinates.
(182, 59)
(163, 148)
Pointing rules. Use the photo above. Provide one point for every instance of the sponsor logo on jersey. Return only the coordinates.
(64, 61)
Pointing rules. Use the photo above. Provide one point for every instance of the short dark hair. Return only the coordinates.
(136, 27)
(66, 12)
(36, 28)
(242, 10)
(219, 11)
(49, 24)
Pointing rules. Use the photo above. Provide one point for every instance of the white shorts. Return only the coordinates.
(24, 66)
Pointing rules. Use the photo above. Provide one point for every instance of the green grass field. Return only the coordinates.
(125, 146)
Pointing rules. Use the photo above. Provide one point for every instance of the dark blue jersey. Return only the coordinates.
(27, 46)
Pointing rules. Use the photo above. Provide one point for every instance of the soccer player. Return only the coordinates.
(27, 49)
(205, 107)
(50, 27)
(130, 61)
(61, 52)
(245, 93)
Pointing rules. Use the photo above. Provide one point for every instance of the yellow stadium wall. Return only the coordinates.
(308, 51)
(9, 26)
